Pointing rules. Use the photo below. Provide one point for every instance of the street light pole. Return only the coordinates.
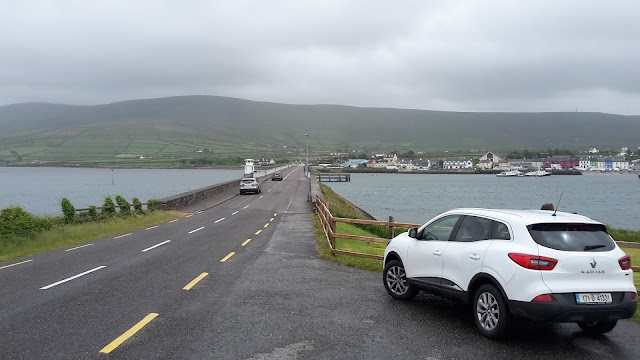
(307, 172)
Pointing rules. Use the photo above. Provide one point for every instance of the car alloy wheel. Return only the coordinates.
(490, 312)
(396, 282)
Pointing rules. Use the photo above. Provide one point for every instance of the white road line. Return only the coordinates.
(10, 265)
(155, 246)
(269, 190)
(198, 229)
(153, 227)
(78, 247)
(172, 221)
(71, 278)
(260, 196)
(217, 221)
(121, 236)
(246, 207)
(234, 213)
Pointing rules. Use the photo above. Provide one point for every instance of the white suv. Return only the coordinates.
(535, 264)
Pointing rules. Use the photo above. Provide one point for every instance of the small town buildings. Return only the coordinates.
(564, 161)
(354, 163)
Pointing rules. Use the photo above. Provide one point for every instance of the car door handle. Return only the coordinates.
(474, 257)
(437, 253)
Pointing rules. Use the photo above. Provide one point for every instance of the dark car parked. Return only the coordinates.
(276, 177)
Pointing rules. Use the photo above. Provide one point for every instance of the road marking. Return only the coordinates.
(265, 225)
(129, 333)
(261, 196)
(258, 232)
(246, 242)
(234, 213)
(155, 246)
(121, 236)
(269, 190)
(78, 247)
(198, 229)
(195, 281)
(246, 207)
(217, 221)
(198, 212)
(271, 219)
(153, 227)
(227, 257)
(8, 266)
(71, 278)
(190, 215)
(276, 214)
(172, 221)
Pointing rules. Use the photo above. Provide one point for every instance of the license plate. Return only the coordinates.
(593, 298)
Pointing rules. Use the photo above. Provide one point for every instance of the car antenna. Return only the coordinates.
(557, 206)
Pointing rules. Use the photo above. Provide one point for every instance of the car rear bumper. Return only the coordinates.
(565, 309)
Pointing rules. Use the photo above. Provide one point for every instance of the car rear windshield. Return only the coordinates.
(572, 237)
(249, 181)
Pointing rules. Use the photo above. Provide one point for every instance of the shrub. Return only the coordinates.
(123, 204)
(109, 207)
(68, 211)
(93, 213)
(137, 205)
(17, 223)
(151, 204)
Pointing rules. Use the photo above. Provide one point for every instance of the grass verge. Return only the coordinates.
(64, 236)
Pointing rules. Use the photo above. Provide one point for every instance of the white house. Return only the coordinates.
(457, 163)
(593, 150)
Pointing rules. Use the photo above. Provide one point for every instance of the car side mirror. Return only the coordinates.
(413, 232)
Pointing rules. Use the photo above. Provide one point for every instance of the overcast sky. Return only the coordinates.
(520, 55)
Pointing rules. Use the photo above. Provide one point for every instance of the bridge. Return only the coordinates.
(238, 277)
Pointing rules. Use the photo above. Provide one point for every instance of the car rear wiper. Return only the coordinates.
(592, 247)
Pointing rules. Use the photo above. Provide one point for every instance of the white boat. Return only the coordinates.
(537, 173)
(510, 173)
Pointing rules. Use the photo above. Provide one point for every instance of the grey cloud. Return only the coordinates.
(445, 55)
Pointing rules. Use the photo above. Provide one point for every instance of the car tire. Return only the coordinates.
(396, 282)
(598, 327)
(490, 312)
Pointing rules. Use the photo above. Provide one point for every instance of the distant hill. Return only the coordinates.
(172, 125)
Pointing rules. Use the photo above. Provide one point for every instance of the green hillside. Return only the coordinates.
(169, 129)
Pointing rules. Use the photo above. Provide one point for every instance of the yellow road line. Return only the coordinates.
(129, 333)
(267, 224)
(276, 214)
(271, 219)
(8, 266)
(246, 242)
(258, 232)
(78, 247)
(227, 257)
(195, 281)
(189, 215)
(121, 236)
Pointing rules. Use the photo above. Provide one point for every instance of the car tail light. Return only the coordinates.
(533, 262)
(542, 298)
(634, 296)
(625, 262)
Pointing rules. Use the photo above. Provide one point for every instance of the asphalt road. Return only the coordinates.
(267, 298)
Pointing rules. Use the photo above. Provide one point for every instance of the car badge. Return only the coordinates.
(593, 263)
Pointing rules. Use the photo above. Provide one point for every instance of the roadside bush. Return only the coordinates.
(68, 211)
(123, 204)
(151, 204)
(93, 213)
(624, 235)
(15, 222)
(137, 205)
(109, 207)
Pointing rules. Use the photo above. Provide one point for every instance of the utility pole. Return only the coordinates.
(307, 172)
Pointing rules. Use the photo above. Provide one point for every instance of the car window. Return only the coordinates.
(474, 228)
(572, 236)
(500, 231)
(441, 229)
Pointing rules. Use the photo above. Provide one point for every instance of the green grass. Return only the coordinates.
(355, 245)
(64, 236)
(325, 253)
